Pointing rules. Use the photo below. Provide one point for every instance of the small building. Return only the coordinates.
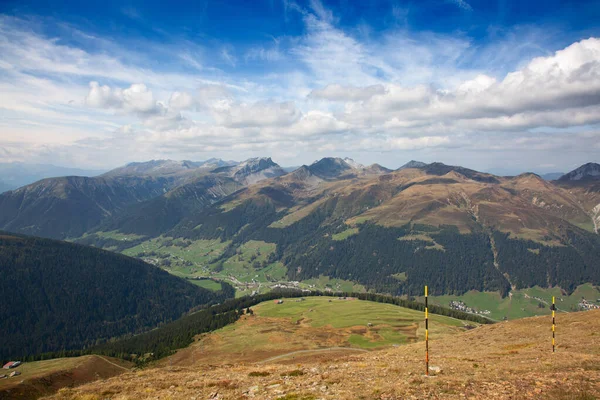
(11, 364)
(280, 301)
(14, 373)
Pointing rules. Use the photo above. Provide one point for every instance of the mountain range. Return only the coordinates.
(17, 174)
(392, 231)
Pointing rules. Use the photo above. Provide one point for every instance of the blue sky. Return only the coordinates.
(501, 85)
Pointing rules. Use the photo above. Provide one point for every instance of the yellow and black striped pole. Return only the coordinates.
(426, 335)
(553, 322)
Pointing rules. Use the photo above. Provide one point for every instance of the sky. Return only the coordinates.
(495, 85)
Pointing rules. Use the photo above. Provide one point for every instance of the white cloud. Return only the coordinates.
(336, 92)
(136, 99)
(261, 114)
(462, 4)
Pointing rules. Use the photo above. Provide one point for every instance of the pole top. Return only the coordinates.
(425, 290)
(552, 299)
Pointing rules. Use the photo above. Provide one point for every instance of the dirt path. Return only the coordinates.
(311, 351)
(112, 363)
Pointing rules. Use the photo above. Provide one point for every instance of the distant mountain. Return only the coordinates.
(412, 164)
(376, 169)
(353, 163)
(255, 170)
(330, 168)
(552, 176)
(162, 213)
(440, 169)
(167, 167)
(416, 224)
(68, 207)
(60, 296)
(589, 171)
(20, 174)
(291, 169)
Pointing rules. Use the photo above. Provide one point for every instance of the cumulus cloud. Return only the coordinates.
(137, 98)
(405, 92)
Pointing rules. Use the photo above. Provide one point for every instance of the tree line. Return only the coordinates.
(166, 339)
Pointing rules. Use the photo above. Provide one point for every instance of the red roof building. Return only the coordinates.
(11, 364)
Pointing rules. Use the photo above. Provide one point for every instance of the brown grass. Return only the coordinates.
(510, 360)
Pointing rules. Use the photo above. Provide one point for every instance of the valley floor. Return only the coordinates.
(508, 360)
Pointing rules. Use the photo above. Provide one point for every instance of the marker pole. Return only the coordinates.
(426, 335)
(553, 322)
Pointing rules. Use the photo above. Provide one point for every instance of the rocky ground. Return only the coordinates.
(509, 360)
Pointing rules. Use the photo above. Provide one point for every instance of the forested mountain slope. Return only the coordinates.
(59, 296)
(452, 228)
(67, 207)
(154, 196)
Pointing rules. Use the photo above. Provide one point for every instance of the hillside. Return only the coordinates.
(59, 296)
(43, 378)
(509, 360)
(17, 174)
(303, 328)
(68, 207)
(452, 228)
(152, 196)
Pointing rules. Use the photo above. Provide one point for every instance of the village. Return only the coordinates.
(585, 305)
(461, 306)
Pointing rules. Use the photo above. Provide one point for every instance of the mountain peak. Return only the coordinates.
(256, 169)
(353, 163)
(330, 167)
(413, 164)
(585, 172)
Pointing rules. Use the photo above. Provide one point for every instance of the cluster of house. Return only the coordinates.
(11, 365)
(587, 305)
(461, 306)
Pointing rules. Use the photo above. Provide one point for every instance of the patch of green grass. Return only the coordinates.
(116, 235)
(432, 244)
(207, 284)
(400, 276)
(523, 303)
(336, 285)
(35, 369)
(373, 324)
(345, 234)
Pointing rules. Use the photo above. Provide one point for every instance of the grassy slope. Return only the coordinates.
(315, 323)
(199, 259)
(392, 324)
(523, 302)
(46, 377)
(510, 360)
